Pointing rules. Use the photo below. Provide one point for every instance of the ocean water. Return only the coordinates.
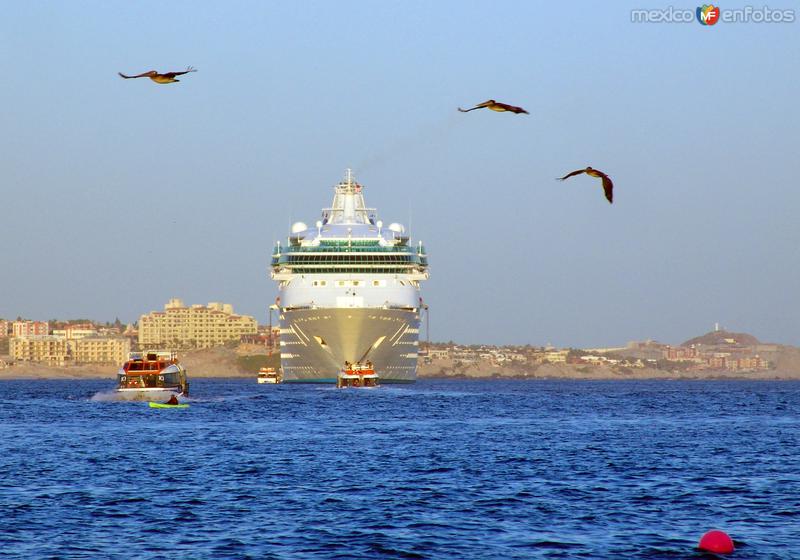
(438, 469)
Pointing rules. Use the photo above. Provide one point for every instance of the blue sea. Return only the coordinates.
(438, 469)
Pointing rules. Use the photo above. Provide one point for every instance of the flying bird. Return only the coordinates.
(608, 186)
(495, 106)
(166, 78)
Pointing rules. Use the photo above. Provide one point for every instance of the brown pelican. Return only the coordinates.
(495, 106)
(608, 186)
(166, 78)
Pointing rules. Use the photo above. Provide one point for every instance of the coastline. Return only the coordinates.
(237, 362)
(549, 371)
(660, 376)
(93, 372)
(209, 362)
(599, 372)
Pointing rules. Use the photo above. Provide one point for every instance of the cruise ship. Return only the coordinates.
(348, 293)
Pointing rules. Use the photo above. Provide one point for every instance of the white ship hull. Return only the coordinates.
(315, 343)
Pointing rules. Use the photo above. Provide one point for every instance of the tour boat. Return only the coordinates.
(153, 375)
(268, 375)
(357, 375)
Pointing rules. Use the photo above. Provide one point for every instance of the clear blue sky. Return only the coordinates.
(117, 195)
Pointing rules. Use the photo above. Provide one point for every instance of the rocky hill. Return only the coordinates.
(722, 338)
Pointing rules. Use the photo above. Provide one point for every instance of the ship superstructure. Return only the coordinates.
(349, 291)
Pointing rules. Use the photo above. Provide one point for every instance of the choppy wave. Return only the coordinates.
(455, 469)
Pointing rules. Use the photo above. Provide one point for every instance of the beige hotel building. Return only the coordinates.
(198, 326)
(60, 351)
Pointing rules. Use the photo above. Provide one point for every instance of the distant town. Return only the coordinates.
(83, 342)
(78, 342)
(725, 352)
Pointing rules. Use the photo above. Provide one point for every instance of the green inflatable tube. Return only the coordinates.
(162, 405)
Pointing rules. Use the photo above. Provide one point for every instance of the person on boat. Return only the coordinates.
(172, 400)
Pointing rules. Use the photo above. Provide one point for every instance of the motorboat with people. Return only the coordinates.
(268, 375)
(153, 375)
(357, 375)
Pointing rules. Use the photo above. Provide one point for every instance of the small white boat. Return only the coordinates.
(152, 376)
(268, 375)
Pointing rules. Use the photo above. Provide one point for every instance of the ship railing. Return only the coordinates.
(359, 263)
(356, 258)
(145, 368)
(332, 210)
(354, 248)
(416, 272)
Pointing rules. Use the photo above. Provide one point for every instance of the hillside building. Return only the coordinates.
(30, 328)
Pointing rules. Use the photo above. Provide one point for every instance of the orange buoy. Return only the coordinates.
(716, 541)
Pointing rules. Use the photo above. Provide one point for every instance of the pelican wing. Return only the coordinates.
(142, 75)
(512, 108)
(489, 103)
(608, 188)
(173, 74)
(568, 175)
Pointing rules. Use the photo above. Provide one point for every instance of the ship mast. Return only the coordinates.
(348, 203)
